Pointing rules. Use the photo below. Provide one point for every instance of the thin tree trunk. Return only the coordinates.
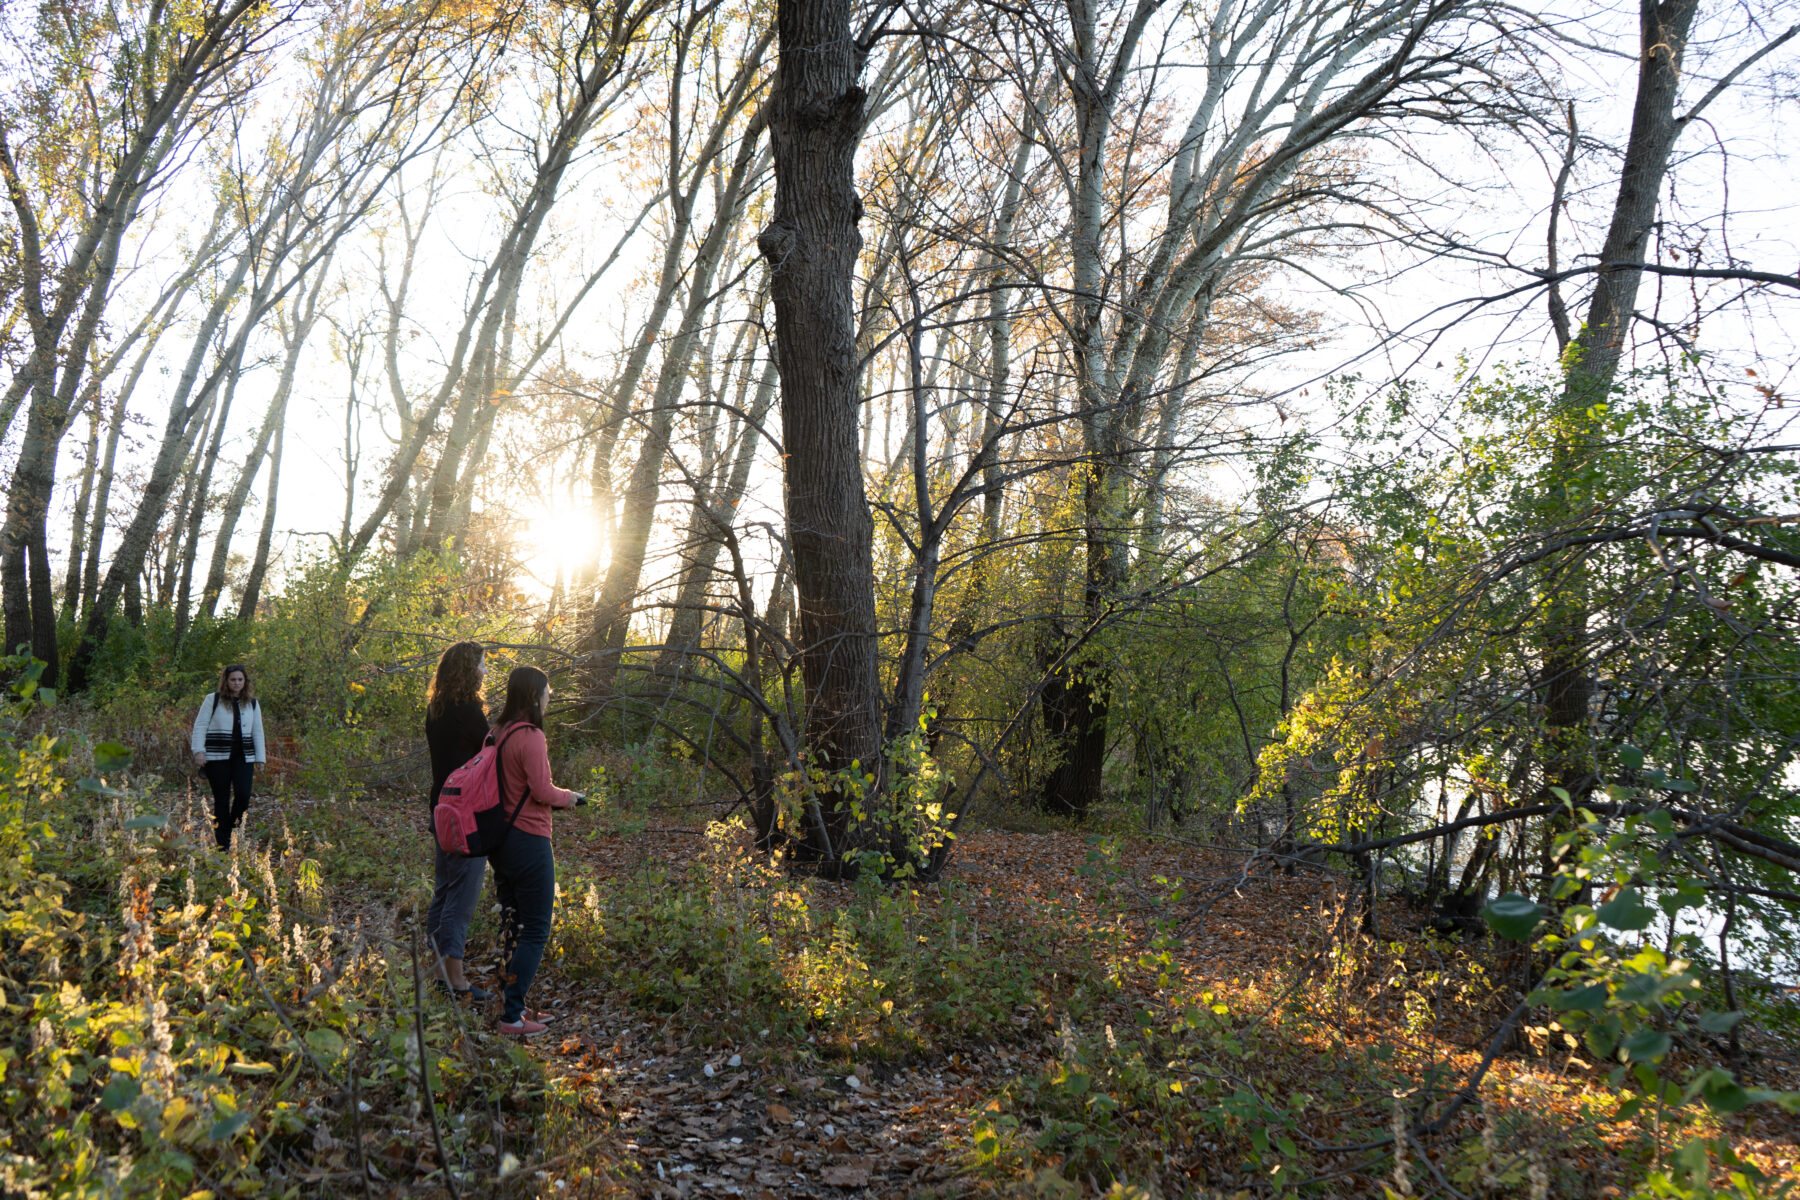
(179, 432)
(273, 420)
(624, 570)
(202, 493)
(999, 328)
(115, 428)
(259, 565)
(183, 511)
(153, 329)
(84, 496)
(712, 511)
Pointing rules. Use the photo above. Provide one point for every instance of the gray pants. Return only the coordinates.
(455, 889)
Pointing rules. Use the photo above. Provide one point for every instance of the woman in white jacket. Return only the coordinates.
(228, 742)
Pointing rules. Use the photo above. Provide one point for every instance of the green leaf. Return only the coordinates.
(1721, 1092)
(1632, 757)
(1680, 785)
(1513, 916)
(147, 821)
(1719, 1022)
(1646, 1045)
(112, 756)
(119, 1092)
(226, 1128)
(1694, 1158)
(1626, 911)
(1641, 987)
(1590, 999)
(47, 697)
(1603, 1037)
(327, 1043)
(88, 783)
(1688, 895)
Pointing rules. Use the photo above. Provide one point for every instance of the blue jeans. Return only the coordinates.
(525, 883)
(456, 886)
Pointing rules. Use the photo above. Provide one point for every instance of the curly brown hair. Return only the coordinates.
(457, 679)
(249, 692)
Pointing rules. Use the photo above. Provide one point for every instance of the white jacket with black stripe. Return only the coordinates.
(212, 730)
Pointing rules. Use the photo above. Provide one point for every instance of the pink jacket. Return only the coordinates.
(525, 760)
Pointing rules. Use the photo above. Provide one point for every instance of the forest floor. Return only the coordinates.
(1315, 1035)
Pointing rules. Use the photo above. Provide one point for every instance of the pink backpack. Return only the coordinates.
(470, 820)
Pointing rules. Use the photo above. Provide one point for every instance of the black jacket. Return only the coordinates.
(455, 737)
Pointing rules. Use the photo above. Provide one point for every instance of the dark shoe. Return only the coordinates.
(469, 993)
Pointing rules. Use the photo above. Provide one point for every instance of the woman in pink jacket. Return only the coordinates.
(524, 867)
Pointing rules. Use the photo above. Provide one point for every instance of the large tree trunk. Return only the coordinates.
(1592, 365)
(27, 594)
(815, 122)
(30, 597)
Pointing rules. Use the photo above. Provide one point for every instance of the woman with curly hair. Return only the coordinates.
(455, 727)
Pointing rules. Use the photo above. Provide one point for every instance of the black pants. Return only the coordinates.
(231, 796)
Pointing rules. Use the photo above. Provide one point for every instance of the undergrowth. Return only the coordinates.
(734, 942)
(178, 1021)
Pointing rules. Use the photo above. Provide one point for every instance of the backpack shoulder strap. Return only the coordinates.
(500, 774)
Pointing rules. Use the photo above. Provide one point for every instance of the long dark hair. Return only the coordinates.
(524, 697)
(249, 692)
(457, 679)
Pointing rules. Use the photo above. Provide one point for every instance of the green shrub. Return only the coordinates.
(734, 943)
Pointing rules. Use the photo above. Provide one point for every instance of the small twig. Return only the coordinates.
(356, 1129)
(437, 1135)
(1469, 1089)
(281, 1013)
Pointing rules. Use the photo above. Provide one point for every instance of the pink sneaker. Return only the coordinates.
(523, 1027)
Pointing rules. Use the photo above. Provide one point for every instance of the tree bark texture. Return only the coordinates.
(1592, 367)
(811, 245)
